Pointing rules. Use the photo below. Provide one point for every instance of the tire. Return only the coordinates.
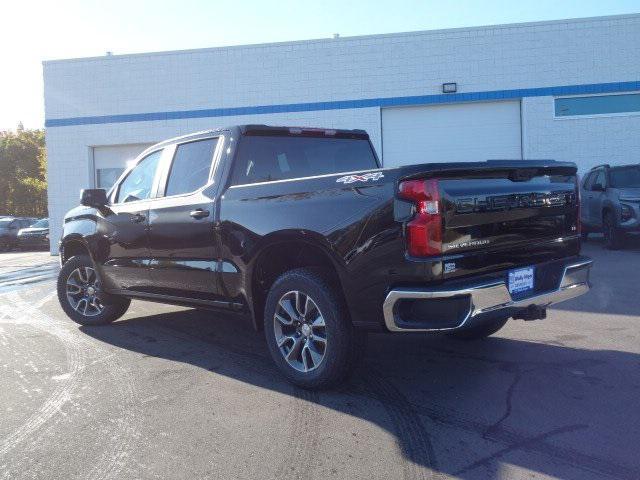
(6, 246)
(80, 296)
(480, 331)
(613, 237)
(308, 331)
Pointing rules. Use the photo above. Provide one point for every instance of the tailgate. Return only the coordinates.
(490, 216)
(513, 217)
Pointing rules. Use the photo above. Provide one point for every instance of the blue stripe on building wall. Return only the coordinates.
(349, 104)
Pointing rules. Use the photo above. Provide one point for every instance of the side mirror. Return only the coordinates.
(597, 187)
(93, 197)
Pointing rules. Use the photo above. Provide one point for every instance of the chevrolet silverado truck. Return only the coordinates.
(302, 231)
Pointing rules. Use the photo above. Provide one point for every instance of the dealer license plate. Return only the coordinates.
(521, 281)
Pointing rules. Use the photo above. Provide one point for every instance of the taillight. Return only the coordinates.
(424, 231)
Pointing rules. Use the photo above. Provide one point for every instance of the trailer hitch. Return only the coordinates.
(532, 312)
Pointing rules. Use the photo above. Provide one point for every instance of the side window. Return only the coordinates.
(588, 181)
(598, 105)
(138, 183)
(190, 167)
(599, 178)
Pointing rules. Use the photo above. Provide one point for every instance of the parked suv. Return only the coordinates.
(303, 232)
(9, 228)
(610, 202)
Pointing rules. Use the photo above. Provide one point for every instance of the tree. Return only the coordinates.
(23, 184)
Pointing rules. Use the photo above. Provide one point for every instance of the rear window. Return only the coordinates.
(268, 158)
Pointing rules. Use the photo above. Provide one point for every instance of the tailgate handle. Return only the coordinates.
(199, 213)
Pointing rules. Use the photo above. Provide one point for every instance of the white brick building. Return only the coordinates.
(523, 91)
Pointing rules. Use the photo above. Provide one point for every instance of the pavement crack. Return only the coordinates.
(508, 404)
(518, 446)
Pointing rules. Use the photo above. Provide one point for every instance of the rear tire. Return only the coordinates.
(613, 237)
(80, 295)
(480, 331)
(308, 330)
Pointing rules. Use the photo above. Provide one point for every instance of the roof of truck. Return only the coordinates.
(257, 129)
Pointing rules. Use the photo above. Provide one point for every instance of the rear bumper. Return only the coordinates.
(485, 300)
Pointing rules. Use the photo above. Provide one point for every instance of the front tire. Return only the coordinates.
(612, 235)
(80, 295)
(308, 330)
(6, 246)
(481, 331)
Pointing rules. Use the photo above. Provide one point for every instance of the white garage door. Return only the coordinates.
(110, 161)
(464, 132)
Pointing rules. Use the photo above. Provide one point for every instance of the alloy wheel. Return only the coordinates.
(300, 331)
(83, 291)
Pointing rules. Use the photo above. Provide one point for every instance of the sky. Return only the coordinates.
(31, 32)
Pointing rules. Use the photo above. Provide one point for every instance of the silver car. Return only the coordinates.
(610, 202)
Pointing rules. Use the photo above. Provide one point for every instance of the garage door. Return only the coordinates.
(464, 132)
(110, 161)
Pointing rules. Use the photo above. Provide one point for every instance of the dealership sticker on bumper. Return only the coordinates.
(521, 280)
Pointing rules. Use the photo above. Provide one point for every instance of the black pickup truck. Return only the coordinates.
(302, 231)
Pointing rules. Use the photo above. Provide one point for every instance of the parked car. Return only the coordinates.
(34, 236)
(302, 231)
(610, 202)
(9, 228)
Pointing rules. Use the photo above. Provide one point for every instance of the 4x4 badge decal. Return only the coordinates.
(360, 178)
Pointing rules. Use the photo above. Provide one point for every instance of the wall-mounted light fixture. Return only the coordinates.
(449, 87)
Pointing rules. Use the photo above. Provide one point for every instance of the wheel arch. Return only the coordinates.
(72, 246)
(609, 208)
(281, 253)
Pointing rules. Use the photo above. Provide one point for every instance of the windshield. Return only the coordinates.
(625, 177)
(44, 223)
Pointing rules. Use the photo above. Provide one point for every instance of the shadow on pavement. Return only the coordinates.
(614, 280)
(458, 408)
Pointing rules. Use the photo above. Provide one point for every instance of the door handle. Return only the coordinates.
(199, 213)
(138, 218)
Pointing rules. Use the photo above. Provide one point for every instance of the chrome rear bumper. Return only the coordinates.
(491, 298)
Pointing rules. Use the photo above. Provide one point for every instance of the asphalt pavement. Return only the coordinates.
(169, 392)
